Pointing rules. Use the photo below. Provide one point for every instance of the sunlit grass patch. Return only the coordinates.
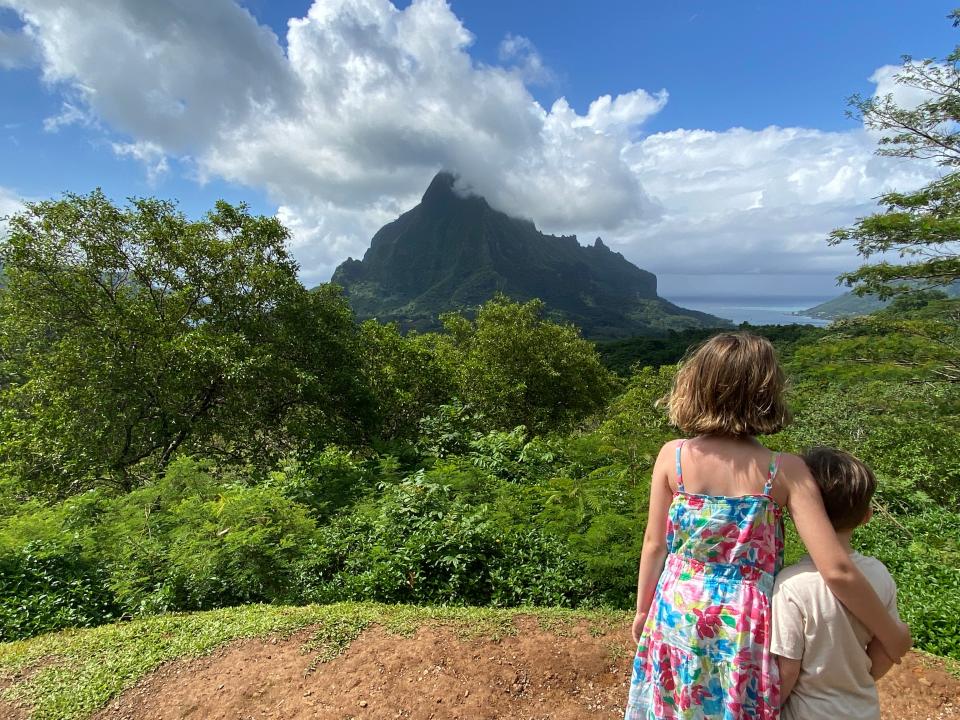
(73, 673)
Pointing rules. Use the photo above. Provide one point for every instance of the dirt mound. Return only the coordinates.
(437, 674)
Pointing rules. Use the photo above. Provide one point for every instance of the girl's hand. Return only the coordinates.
(638, 622)
(897, 647)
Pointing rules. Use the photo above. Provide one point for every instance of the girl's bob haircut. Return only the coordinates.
(731, 384)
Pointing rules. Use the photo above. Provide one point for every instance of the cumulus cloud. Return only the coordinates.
(760, 201)
(174, 73)
(345, 127)
(906, 96)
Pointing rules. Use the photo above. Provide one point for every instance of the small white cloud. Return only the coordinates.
(150, 154)
(518, 52)
(10, 203)
(70, 114)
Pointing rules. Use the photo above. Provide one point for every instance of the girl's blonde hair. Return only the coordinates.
(731, 384)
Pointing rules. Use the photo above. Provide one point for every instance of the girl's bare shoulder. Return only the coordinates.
(792, 473)
(792, 468)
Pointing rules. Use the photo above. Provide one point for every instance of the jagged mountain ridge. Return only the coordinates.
(454, 251)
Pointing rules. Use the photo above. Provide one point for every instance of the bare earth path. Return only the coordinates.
(435, 674)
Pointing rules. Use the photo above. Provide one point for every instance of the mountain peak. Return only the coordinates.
(454, 251)
(441, 186)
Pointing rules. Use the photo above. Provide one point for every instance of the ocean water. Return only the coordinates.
(756, 309)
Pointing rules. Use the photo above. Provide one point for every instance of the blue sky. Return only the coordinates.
(720, 160)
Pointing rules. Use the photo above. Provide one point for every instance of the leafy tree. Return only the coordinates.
(907, 342)
(405, 376)
(923, 226)
(518, 369)
(129, 334)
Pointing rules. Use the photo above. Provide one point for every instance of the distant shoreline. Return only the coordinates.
(757, 309)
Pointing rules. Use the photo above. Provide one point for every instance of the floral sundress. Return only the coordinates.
(704, 651)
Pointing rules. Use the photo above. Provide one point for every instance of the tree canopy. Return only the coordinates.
(922, 228)
(518, 369)
(129, 333)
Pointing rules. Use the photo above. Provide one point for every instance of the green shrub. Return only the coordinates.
(426, 540)
(187, 542)
(450, 429)
(51, 586)
(48, 579)
(922, 552)
(324, 482)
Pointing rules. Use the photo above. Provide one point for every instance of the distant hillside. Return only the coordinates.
(850, 305)
(454, 252)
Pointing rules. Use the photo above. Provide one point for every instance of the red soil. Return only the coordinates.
(434, 674)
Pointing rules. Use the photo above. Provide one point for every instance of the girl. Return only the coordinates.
(714, 542)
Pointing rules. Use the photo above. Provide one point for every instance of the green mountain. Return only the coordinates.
(454, 252)
(850, 305)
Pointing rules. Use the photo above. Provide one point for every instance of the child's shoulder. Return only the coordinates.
(797, 575)
(874, 569)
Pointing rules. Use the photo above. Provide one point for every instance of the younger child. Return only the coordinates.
(825, 672)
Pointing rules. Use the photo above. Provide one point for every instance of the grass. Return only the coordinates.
(71, 674)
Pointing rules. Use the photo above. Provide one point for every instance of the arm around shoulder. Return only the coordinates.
(833, 561)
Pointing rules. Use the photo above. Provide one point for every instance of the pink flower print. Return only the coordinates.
(667, 681)
(734, 709)
(724, 548)
(759, 633)
(740, 680)
(745, 660)
(694, 502)
(708, 620)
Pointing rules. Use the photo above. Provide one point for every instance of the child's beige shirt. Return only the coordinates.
(811, 625)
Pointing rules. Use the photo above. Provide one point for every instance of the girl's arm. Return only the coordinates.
(879, 662)
(833, 560)
(655, 536)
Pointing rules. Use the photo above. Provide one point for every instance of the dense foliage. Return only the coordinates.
(499, 462)
(130, 334)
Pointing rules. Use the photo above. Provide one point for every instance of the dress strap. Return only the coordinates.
(772, 472)
(679, 469)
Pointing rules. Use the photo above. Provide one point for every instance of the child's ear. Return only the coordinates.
(868, 517)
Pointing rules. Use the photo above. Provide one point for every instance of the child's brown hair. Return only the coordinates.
(732, 384)
(846, 483)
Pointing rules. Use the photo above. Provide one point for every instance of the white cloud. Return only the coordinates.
(345, 129)
(173, 72)
(10, 202)
(150, 154)
(70, 114)
(906, 96)
(517, 51)
(757, 201)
